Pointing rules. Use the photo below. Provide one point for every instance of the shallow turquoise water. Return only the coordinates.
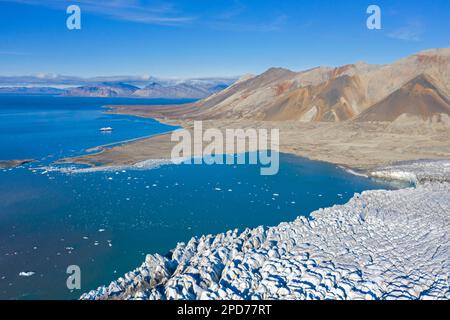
(106, 222)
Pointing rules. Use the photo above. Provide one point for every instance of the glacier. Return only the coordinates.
(380, 245)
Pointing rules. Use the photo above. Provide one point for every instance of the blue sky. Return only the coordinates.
(199, 38)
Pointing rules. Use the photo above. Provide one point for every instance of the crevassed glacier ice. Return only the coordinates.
(380, 245)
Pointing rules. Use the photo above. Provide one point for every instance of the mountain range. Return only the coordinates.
(114, 86)
(418, 86)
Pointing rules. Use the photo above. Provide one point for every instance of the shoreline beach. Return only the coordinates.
(354, 145)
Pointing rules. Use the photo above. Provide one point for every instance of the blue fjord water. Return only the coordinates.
(105, 222)
(48, 128)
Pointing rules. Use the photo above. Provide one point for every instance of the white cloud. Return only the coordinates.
(412, 31)
(140, 11)
(236, 9)
(276, 24)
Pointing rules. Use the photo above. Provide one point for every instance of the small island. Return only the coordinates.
(6, 164)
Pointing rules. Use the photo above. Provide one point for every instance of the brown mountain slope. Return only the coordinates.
(386, 79)
(335, 100)
(323, 94)
(419, 97)
(218, 105)
(319, 94)
(268, 78)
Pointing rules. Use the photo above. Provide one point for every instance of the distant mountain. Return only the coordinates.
(190, 89)
(418, 84)
(115, 86)
(103, 90)
(419, 97)
(31, 90)
(156, 90)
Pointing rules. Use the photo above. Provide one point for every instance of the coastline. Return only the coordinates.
(333, 255)
(359, 147)
(119, 143)
(336, 254)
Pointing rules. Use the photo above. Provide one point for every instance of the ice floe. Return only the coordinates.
(26, 274)
(143, 165)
